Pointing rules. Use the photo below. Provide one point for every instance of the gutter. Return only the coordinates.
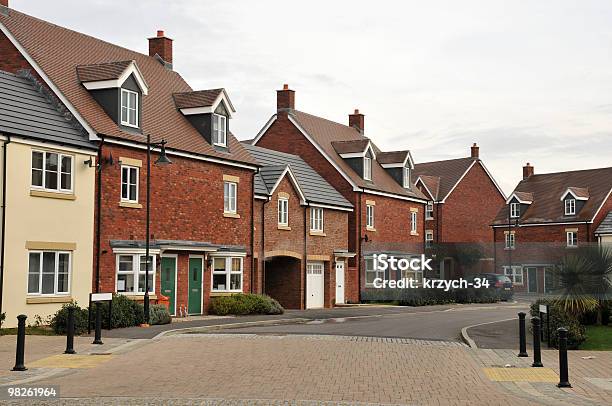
(8, 140)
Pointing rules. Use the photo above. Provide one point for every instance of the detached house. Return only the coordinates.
(201, 205)
(388, 214)
(547, 216)
(463, 200)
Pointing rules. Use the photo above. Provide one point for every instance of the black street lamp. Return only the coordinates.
(162, 160)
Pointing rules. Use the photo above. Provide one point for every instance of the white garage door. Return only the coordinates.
(314, 285)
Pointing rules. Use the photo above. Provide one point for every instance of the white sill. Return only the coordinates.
(429, 218)
(220, 145)
(129, 125)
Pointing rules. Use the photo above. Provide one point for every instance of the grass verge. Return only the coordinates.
(599, 338)
(33, 331)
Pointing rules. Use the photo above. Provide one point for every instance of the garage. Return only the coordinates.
(314, 285)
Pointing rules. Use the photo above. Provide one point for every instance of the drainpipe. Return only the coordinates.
(263, 246)
(8, 140)
(304, 266)
(252, 229)
(358, 246)
(99, 211)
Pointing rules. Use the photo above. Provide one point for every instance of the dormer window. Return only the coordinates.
(515, 210)
(219, 130)
(129, 108)
(367, 168)
(406, 177)
(570, 207)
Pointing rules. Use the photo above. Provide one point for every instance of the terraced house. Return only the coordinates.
(388, 211)
(547, 216)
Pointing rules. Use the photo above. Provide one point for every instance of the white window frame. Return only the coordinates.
(315, 268)
(58, 172)
(137, 260)
(316, 219)
(510, 241)
(227, 272)
(370, 216)
(570, 207)
(406, 177)
(219, 133)
(56, 273)
(571, 238)
(367, 168)
(429, 210)
(230, 202)
(377, 273)
(515, 210)
(429, 237)
(283, 211)
(127, 182)
(513, 272)
(413, 222)
(128, 108)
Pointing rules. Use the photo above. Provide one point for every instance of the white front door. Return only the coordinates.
(339, 282)
(314, 285)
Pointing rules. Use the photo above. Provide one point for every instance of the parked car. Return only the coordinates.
(501, 283)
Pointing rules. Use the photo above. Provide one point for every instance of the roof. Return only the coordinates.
(315, 188)
(606, 225)
(177, 245)
(58, 51)
(578, 192)
(199, 98)
(393, 157)
(325, 132)
(25, 110)
(546, 190)
(102, 71)
(442, 175)
(347, 147)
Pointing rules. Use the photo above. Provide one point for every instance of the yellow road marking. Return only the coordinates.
(70, 361)
(521, 374)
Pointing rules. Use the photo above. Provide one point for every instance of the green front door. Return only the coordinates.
(532, 278)
(168, 278)
(195, 286)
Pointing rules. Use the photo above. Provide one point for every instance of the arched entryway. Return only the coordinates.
(283, 280)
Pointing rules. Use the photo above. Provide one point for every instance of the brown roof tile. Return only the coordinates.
(199, 98)
(580, 192)
(392, 157)
(524, 196)
(448, 173)
(432, 183)
(58, 51)
(347, 147)
(101, 71)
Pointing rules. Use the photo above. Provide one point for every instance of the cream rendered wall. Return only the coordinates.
(606, 239)
(46, 220)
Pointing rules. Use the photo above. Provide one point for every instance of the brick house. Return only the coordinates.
(454, 188)
(301, 233)
(389, 209)
(201, 204)
(547, 216)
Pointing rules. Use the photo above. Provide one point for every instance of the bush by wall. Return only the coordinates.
(241, 304)
(560, 318)
(158, 314)
(60, 319)
(428, 297)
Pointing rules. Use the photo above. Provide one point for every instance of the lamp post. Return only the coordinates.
(162, 160)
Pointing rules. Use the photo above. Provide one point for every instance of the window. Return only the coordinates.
(129, 108)
(515, 210)
(570, 207)
(229, 197)
(283, 212)
(48, 273)
(367, 168)
(314, 268)
(515, 273)
(371, 272)
(219, 130)
(52, 171)
(227, 274)
(316, 219)
(131, 273)
(407, 177)
(510, 241)
(370, 216)
(572, 238)
(428, 238)
(129, 184)
(413, 222)
(429, 211)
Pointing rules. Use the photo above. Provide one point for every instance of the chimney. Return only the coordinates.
(527, 170)
(356, 120)
(4, 3)
(160, 45)
(285, 99)
(475, 151)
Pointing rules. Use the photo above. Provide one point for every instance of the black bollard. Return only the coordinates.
(563, 367)
(98, 336)
(537, 356)
(20, 353)
(70, 332)
(522, 336)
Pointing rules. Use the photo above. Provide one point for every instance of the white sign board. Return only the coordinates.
(543, 308)
(101, 297)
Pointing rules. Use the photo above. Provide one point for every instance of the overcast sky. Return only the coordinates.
(527, 80)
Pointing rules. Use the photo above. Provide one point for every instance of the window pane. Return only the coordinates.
(132, 117)
(124, 114)
(219, 265)
(51, 171)
(143, 264)
(125, 283)
(66, 170)
(141, 283)
(219, 281)
(126, 263)
(132, 193)
(37, 167)
(133, 175)
(34, 273)
(63, 271)
(48, 275)
(236, 262)
(235, 281)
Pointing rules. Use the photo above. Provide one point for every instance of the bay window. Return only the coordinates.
(131, 273)
(227, 274)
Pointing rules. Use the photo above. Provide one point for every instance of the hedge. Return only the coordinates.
(241, 304)
(560, 318)
(428, 297)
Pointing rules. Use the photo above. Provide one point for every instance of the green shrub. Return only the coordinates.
(126, 312)
(429, 297)
(241, 304)
(590, 318)
(158, 314)
(59, 320)
(559, 317)
(2, 318)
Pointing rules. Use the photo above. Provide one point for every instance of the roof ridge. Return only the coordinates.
(445, 160)
(566, 172)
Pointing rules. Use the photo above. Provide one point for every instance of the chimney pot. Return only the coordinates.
(475, 151)
(285, 99)
(357, 120)
(162, 46)
(4, 3)
(528, 170)
(160, 33)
